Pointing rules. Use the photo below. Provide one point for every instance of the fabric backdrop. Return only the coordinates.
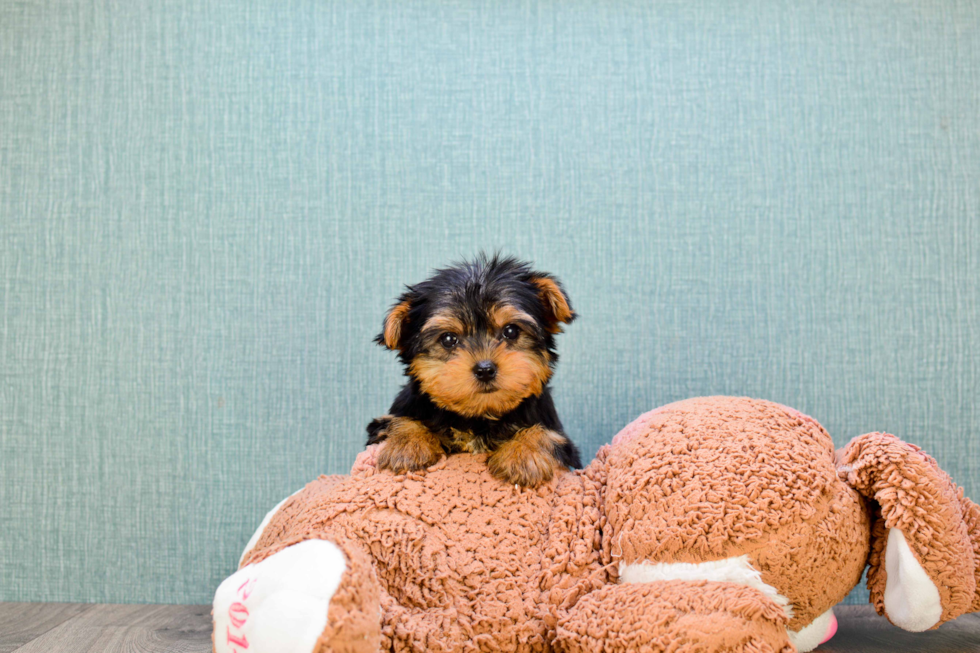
(206, 208)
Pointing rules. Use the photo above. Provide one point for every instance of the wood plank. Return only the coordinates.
(861, 630)
(78, 628)
(22, 622)
(130, 629)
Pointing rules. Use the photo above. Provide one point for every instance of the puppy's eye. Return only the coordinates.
(448, 340)
(510, 332)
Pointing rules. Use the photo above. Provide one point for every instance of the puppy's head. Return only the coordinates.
(479, 336)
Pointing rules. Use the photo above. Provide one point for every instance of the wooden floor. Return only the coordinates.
(80, 628)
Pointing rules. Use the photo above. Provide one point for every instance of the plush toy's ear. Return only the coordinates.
(393, 332)
(557, 308)
(925, 538)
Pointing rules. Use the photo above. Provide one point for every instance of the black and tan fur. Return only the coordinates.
(477, 342)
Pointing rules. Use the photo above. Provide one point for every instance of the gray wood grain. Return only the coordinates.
(78, 628)
(129, 629)
(862, 630)
(23, 622)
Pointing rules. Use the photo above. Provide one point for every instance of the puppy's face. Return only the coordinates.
(479, 337)
(480, 360)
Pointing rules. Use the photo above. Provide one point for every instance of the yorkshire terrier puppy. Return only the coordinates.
(478, 344)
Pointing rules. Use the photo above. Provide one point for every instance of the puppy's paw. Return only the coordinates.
(377, 430)
(408, 446)
(528, 458)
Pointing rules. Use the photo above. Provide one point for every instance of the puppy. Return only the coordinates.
(478, 344)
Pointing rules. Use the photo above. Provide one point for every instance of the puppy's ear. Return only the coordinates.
(557, 308)
(392, 335)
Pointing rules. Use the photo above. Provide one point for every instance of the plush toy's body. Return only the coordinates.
(714, 524)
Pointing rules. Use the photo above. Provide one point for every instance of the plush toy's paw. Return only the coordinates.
(280, 603)
(739, 571)
(923, 567)
(407, 446)
(910, 598)
(315, 596)
(528, 459)
(820, 630)
(675, 617)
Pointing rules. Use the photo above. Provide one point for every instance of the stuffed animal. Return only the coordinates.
(711, 524)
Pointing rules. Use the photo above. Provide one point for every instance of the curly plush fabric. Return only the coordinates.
(916, 497)
(704, 479)
(470, 563)
(971, 515)
(676, 616)
(661, 494)
(713, 524)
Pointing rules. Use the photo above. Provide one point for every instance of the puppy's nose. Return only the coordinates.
(485, 370)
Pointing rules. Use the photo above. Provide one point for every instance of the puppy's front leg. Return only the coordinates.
(529, 458)
(408, 445)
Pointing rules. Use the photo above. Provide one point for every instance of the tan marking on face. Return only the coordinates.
(554, 301)
(501, 316)
(444, 322)
(393, 324)
(452, 386)
(520, 373)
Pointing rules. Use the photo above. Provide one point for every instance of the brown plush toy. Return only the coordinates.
(712, 524)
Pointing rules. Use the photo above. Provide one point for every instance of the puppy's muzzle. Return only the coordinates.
(485, 371)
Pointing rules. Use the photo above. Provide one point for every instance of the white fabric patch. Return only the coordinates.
(812, 636)
(911, 599)
(730, 570)
(265, 522)
(280, 604)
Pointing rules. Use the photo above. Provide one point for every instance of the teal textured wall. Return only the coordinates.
(206, 207)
